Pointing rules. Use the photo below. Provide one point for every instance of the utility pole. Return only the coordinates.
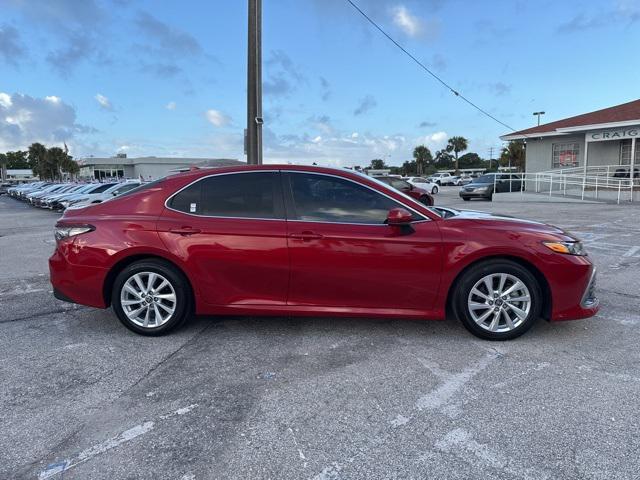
(254, 85)
(538, 114)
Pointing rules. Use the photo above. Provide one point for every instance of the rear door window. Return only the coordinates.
(255, 195)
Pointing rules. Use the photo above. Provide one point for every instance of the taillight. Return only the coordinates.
(67, 231)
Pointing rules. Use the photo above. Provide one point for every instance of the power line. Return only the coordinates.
(426, 69)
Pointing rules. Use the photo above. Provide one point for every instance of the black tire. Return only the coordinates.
(434, 190)
(177, 280)
(466, 199)
(438, 182)
(490, 197)
(476, 273)
(425, 200)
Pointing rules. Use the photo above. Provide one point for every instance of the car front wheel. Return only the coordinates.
(151, 297)
(498, 300)
(434, 190)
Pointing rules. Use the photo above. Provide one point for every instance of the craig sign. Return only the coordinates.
(618, 134)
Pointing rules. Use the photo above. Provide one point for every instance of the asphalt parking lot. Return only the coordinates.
(236, 398)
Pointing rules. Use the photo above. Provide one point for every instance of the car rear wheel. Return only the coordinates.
(434, 190)
(151, 297)
(426, 200)
(466, 199)
(498, 300)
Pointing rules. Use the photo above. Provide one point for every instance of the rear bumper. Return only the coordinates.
(76, 283)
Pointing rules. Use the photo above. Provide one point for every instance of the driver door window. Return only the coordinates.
(323, 198)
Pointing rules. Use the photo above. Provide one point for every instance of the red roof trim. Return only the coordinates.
(619, 113)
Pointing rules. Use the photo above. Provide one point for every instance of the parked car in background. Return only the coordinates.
(463, 180)
(83, 195)
(405, 187)
(4, 188)
(423, 183)
(33, 197)
(626, 173)
(301, 240)
(484, 186)
(442, 178)
(109, 193)
(43, 200)
(18, 190)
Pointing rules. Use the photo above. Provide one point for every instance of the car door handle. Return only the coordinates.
(185, 230)
(306, 236)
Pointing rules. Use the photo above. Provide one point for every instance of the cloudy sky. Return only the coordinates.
(168, 78)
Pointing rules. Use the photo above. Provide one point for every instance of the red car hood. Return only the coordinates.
(512, 223)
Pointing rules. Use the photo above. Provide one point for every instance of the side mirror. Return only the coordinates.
(399, 217)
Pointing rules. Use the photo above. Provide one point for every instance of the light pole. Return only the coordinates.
(538, 114)
(254, 84)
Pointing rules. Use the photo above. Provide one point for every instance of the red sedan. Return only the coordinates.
(295, 240)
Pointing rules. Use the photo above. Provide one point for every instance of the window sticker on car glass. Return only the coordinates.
(192, 208)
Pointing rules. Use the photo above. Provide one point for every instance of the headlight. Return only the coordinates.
(62, 232)
(568, 248)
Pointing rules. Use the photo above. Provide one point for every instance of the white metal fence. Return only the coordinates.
(598, 184)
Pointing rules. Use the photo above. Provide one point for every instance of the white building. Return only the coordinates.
(150, 168)
(605, 137)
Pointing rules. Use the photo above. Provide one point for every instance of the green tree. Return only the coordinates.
(17, 159)
(409, 168)
(423, 158)
(514, 154)
(457, 145)
(444, 159)
(377, 164)
(471, 160)
(59, 161)
(37, 157)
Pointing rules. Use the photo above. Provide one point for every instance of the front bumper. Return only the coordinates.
(465, 194)
(589, 303)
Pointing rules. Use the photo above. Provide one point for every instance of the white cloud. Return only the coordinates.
(408, 23)
(170, 106)
(103, 101)
(435, 141)
(24, 120)
(217, 118)
(5, 100)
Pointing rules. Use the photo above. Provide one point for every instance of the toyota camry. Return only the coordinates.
(297, 240)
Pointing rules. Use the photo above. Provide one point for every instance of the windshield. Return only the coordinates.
(485, 179)
(120, 186)
(140, 188)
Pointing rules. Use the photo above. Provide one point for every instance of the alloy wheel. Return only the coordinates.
(499, 302)
(148, 299)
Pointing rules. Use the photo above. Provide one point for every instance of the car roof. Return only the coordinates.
(203, 172)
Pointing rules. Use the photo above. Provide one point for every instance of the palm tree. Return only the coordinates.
(423, 157)
(457, 145)
(38, 160)
(513, 154)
